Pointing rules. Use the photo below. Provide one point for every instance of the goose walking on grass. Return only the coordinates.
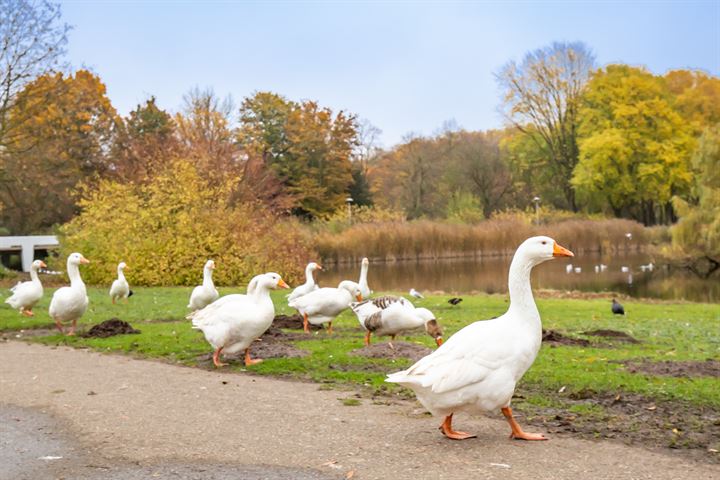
(323, 305)
(309, 284)
(233, 322)
(364, 287)
(478, 368)
(204, 294)
(68, 304)
(392, 316)
(120, 289)
(26, 294)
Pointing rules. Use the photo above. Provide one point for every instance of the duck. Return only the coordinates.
(68, 304)
(617, 308)
(364, 288)
(309, 284)
(26, 294)
(120, 288)
(324, 304)
(477, 369)
(203, 295)
(233, 322)
(455, 300)
(391, 315)
(415, 294)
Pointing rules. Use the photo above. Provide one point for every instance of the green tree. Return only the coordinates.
(634, 146)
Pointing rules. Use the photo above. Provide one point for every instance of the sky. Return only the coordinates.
(406, 67)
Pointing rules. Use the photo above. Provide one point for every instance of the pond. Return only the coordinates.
(627, 274)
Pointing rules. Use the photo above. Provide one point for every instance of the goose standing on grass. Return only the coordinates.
(478, 368)
(26, 294)
(120, 288)
(309, 284)
(324, 304)
(392, 316)
(68, 304)
(203, 295)
(233, 322)
(364, 288)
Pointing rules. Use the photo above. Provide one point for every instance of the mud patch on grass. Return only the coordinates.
(553, 337)
(614, 334)
(687, 369)
(292, 322)
(110, 328)
(411, 351)
(691, 430)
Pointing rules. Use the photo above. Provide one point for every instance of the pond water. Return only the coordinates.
(489, 274)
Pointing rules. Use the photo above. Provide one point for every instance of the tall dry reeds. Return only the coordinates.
(501, 236)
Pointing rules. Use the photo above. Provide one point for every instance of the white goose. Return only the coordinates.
(68, 304)
(477, 368)
(204, 294)
(120, 288)
(309, 284)
(364, 288)
(391, 315)
(27, 294)
(324, 304)
(233, 322)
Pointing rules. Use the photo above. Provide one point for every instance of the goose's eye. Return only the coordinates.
(544, 242)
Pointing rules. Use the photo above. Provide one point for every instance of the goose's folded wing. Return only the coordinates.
(208, 314)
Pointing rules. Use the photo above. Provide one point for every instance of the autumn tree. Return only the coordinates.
(541, 99)
(67, 139)
(634, 146)
(696, 97)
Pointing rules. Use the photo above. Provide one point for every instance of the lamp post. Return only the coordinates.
(349, 202)
(536, 201)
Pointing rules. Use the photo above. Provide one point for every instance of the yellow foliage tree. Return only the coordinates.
(167, 228)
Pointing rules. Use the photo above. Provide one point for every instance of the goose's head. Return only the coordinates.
(210, 265)
(76, 259)
(314, 266)
(270, 281)
(353, 288)
(536, 250)
(37, 265)
(123, 266)
(365, 262)
(431, 325)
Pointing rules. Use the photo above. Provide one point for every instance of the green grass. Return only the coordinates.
(682, 331)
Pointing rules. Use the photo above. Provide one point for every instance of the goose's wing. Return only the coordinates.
(17, 285)
(208, 315)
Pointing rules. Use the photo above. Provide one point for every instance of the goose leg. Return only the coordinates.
(216, 358)
(329, 328)
(367, 338)
(250, 361)
(30, 312)
(306, 324)
(113, 300)
(446, 429)
(517, 432)
(59, 326)
(72, 328)
(392, 339)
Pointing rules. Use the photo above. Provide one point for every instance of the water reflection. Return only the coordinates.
(629, 274)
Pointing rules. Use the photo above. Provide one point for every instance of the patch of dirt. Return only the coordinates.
(614, 334)
(631, 419)
(553, 337)
(708, 368)
(293, 322)
(412, 351)
(110, 328)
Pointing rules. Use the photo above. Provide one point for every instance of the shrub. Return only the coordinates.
(166, 229)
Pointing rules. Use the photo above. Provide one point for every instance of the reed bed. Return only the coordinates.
(388, 241)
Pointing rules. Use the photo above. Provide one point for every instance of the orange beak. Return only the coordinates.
(439, 341)
(319, 267)
(559, 251)
(84, 260)
(282, 284)
(358, 297)
(127, 268)
(42, 264)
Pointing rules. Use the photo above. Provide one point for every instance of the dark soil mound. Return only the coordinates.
(708, 368)
(412, 351)
(553, 337)
(294, 322)
(618, 336)
(110, 328)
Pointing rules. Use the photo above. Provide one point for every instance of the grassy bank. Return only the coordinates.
(438, 239)
(582, 386)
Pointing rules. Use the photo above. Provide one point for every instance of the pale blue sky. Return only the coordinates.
(404, 66)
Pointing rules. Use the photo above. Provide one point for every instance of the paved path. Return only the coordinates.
(136, 414)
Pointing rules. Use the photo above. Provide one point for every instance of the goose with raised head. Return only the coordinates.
(478, 368)
(324, 304)
(390, 315)
(26, 294)
(68, 304)
(120, 289)
(364, 287)
(309, 284)
(233, 322)
(203, 295)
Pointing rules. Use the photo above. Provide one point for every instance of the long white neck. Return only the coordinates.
(121, 275)
(521, 296)
(363, 275)
(74, 274)
(261, 294)
(309, 280)
(207, 278)
(34, 275)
